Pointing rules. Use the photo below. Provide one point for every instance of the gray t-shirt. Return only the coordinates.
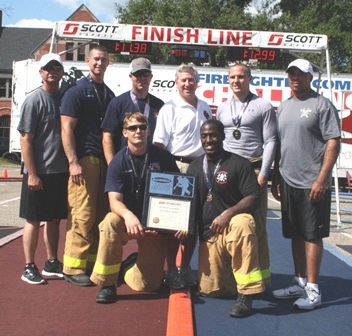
(304, 126)
(258, 130)
(40, 115)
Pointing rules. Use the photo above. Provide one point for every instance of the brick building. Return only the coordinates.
(31, 43)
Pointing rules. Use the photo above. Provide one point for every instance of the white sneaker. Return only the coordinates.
(294, 290)
(309, 300)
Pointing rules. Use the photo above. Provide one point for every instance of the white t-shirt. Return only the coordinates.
(178, 126)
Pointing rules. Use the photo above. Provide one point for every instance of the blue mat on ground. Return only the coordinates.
(277, 317)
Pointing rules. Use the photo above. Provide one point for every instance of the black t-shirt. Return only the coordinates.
(120, 176)
(234, 180)
(122, 104)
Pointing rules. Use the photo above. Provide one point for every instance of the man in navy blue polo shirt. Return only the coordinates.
(135, 100)
(82, 109)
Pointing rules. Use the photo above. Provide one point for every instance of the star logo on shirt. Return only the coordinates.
(305, 111)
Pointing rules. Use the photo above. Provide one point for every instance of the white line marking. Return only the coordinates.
(273, 200)
(11, 237)
(346, 234)
(10, 200)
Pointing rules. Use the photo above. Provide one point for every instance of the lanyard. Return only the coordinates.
(237, 118)
(136, 105)
(98, 92)
(138, 179)
(210, 181)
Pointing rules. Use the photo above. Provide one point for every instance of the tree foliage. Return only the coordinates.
(329, 17)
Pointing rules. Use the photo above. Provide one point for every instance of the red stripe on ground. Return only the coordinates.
(180, 315)
(180, 318)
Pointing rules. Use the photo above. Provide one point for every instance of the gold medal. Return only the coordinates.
(237, 134)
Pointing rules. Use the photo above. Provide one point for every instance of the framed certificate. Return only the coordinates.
(169, 202)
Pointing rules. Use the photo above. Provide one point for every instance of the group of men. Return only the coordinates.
(97, 160)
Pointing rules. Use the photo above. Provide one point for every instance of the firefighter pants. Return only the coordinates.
(87, 207)
(228, 262)
(148, 272)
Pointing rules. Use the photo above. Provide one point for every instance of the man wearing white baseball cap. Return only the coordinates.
(48, 58)
(44, 187)
(309, 143)
(302, 65)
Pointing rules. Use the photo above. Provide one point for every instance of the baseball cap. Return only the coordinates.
(302, 65)
(140, 63)
(48, 58)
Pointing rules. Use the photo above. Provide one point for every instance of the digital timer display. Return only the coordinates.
(257, 54)
(127, 47)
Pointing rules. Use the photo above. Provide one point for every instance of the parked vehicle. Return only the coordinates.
(212, 87)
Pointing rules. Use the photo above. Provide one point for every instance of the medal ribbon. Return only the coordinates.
(138, 179)
(136, 105)
(102, 102)
(237, 118)
(210, 181)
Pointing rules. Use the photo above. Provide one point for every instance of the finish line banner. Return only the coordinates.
(194, 36)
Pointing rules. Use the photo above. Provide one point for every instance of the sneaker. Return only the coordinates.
(242, 307)
(174, 279)
(53, 268)
(309, 300)
(32, 275)
(107, 294)
(125, 266)
(294, 290)
(189, 276)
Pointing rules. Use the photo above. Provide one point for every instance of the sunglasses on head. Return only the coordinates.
(52, 68)
(143, 73)
(134, 128)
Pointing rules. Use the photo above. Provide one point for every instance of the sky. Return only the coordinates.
(43, 13)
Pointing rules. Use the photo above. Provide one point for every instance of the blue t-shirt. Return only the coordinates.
(122, 104)
(86, 101)
(120, 176)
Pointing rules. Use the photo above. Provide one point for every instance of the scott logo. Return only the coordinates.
(275, 39)
(71, 29)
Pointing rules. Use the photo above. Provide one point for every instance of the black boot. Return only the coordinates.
(242, 307)
(107, 294)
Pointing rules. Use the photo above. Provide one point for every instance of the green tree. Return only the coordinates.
(218, 14)
(329, 17)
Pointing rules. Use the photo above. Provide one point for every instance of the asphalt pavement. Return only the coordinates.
(10, 187)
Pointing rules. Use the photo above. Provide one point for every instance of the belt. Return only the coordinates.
(257, 164)
(184, 159)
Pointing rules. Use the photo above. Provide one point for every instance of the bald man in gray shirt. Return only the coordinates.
(250, 131)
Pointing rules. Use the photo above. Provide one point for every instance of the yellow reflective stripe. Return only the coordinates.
(93, 159)
(250, 278)
(74, 262)
(92, 258)
(106, 269)
(266, 273)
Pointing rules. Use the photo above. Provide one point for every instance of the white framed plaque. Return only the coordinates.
(169, 202)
